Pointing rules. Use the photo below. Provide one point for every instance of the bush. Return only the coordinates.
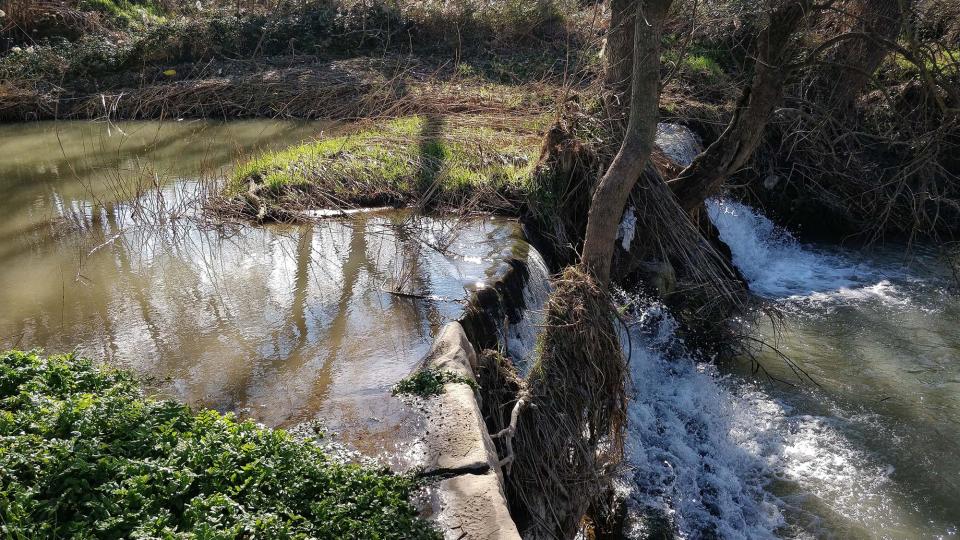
(123, 13)
(85, 455)
(62, 61)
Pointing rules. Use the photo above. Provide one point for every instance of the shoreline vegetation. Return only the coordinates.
(463, 163)
(879, 164)
(86, 455)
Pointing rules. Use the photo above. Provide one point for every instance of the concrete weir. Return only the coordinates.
(469, 503)
(445, 438)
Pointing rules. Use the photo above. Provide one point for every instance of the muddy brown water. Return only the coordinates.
(102, 251)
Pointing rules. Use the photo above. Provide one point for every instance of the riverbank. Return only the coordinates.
(300, 318)
(312, 59)
(347, 60)
(304, 87)
(267, 290)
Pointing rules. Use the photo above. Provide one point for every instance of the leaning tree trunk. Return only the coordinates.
(610, 197)
(736, 144)
(571, 417)
(618, 57)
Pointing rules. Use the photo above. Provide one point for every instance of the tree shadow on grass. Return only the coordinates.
(433, 154)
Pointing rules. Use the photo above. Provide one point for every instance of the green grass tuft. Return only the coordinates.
(85, 455)
(697, 64)
(946, 62)
(126, 12)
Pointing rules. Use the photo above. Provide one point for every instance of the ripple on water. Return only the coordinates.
(721, 455)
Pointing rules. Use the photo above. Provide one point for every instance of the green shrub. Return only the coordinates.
(84, 455)
(60, 61)
(312, 27)
(123, 12)
(429, 382)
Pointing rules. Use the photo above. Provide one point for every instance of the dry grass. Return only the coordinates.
(569, 440)
(341, 89)
(34, 19)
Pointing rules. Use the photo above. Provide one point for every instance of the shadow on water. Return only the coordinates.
(282, 324)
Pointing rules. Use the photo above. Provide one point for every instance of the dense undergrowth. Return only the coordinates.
(78, 41)
(84, 455)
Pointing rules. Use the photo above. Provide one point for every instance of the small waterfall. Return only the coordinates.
(522, 335)
(689, 441)
(718, 456)
(678, 142)
(705, 449)
(772, 260)
(776, 265)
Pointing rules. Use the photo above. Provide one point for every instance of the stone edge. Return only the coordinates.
(467, 504)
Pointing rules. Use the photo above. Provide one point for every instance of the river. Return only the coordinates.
(102, 250)
(859, 439)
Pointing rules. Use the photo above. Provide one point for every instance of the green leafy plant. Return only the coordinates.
(429, 382)
(84, 455)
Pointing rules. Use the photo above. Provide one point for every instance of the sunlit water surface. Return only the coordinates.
(103, 250)
(859, 439)
(289, 324)
(867, 441)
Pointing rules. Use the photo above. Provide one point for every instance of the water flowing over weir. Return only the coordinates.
(262, 321)
(716, 452)
(776, 265)
(689, 443)
(870, 450)
(522, 336)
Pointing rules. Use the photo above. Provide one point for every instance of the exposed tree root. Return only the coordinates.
(569, 439)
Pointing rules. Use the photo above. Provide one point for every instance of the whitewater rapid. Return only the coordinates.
(777, 265)
(705, 449)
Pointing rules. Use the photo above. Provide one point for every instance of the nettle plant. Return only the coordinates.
(84, 455)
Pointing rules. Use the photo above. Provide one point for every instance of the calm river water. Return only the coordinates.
(102, 251)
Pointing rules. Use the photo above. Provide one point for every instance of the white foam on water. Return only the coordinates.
(776, 265)
(678, 142)
(687, 461)
(703, 449)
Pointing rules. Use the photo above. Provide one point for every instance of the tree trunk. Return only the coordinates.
(736, 144)
(618, 56)
(610, 197)
(851, 63)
